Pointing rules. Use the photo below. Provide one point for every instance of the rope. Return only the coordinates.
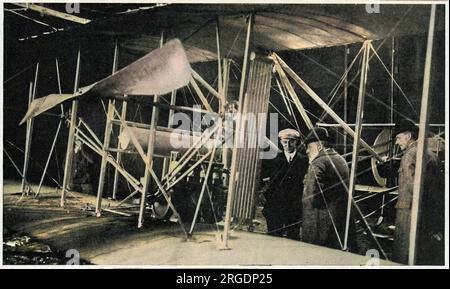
(283, 115)
(18, 73)
(19, 149)
(378, 47)
(31, 19)
(192, 95)
(185, 39)
(390, 201)
(14, 164)
(392, 77)
(211, 204)
(234, 42)
(284, 227)
(340, 82)
(287, 103)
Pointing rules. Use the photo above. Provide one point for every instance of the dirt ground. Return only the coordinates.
(39, 231)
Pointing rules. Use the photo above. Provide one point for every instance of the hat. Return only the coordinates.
(289, 133)
(317, 134)
(405, 125)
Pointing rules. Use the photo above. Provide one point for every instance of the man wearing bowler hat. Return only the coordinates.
(282, 208)
(325, 194)
(430, 245)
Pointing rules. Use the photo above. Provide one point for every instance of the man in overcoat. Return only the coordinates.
(325, 194)
(430, 243)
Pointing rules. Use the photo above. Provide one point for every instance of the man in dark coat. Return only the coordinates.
(325, 194)
(282, 209)
(430, 244)
(83, 165)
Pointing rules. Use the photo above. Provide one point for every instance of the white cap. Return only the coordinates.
(288, 133)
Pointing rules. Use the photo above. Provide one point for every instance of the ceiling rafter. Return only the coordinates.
(54, 13)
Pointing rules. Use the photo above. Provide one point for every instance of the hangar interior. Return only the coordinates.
(93, 166)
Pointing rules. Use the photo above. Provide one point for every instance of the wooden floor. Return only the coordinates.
(116, 240)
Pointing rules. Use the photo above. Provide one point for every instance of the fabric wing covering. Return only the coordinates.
(157, 73)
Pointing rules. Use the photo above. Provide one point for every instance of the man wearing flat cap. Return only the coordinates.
(325, 194)
(430, 245)
(282, 208)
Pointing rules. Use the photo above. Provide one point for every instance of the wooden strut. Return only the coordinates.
(345, 84)
(226, 124)
(231, 185)
(358, 128)
(28, 136)
(203, 82)
(54, 13)
(29, 132)
(421, 144)
(123, 114)
(165, 168)
(132, 98)
(71, 138)
(149, 161)
(149, 156)
(200, 94)
(219, 65)
(106, 142)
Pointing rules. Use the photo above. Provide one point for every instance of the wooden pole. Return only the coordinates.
(226, 125)
(123, 115)
(106, 142)
(71, 139)
(231, 185)
(28, 136)
(149, 156)
(421, 144)
(345, 94)
(358, 128)
(173, 95)
(149, 160)
(219, 61)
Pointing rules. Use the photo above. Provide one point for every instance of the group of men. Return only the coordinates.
(307, 196)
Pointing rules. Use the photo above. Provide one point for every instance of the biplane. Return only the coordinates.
(197, 48)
